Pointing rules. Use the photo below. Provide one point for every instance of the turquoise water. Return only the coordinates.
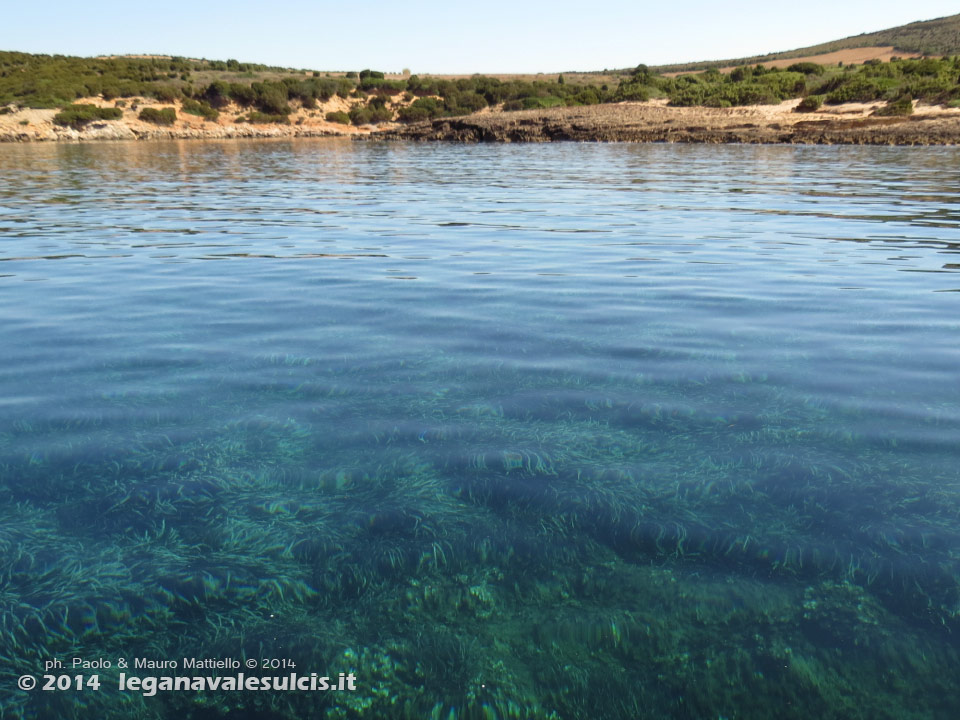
(565, 431)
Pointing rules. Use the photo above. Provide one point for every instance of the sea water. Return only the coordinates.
(501, 431)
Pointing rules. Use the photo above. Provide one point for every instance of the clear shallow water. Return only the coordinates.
(571, 431)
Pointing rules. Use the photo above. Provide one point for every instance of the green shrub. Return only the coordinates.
(200, 109)
(383, 85)
(421, 109)
(535, 103)
(164, 116)
(165, 93)
(271, 98)
(360, 115)
(464, 102)
(413, 114)
(77, 116)
(217, 94)
(806, 68)
(586, 97)
(860, 88)
(242, 94)
(338, 117)
(900, 107)
(810, 103)
(255, 116)
(784, 85)
(632, 92)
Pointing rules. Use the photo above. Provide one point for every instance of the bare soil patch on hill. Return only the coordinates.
(850, 56)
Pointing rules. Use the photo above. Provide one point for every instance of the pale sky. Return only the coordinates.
(447, 37)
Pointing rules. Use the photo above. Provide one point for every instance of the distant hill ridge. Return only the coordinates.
(932, 37)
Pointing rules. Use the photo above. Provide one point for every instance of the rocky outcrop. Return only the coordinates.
(639, 123)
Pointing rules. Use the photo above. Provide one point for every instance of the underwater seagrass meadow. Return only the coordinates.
(509, 432)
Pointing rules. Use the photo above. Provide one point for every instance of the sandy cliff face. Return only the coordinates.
(29, 125)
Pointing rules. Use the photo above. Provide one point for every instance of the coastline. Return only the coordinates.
(652, 121)
(655, 121)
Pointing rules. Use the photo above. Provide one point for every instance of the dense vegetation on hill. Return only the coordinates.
(930, 79)
(57, 80)
(271, 94)
(928, 37)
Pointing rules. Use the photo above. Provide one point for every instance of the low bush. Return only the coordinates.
(536, 103)
(413, 114)
(242, 94)
(806, 68)
(255, 116)
(217, 94)
(165, 93)
(200, 109)
(585, 97)
(77, 116)
(421, 109)
(391, 87)
(164, 116)
(370, 115)
(860, 89)
(900, 107)
(271, 98)
(632, 92)
(338, 117)
(810, 103)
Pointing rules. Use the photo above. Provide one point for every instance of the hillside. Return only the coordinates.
(928, 37)
(147, 96)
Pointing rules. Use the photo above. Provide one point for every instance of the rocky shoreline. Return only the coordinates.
(645, 122)
(852, 124)
(120, 131)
